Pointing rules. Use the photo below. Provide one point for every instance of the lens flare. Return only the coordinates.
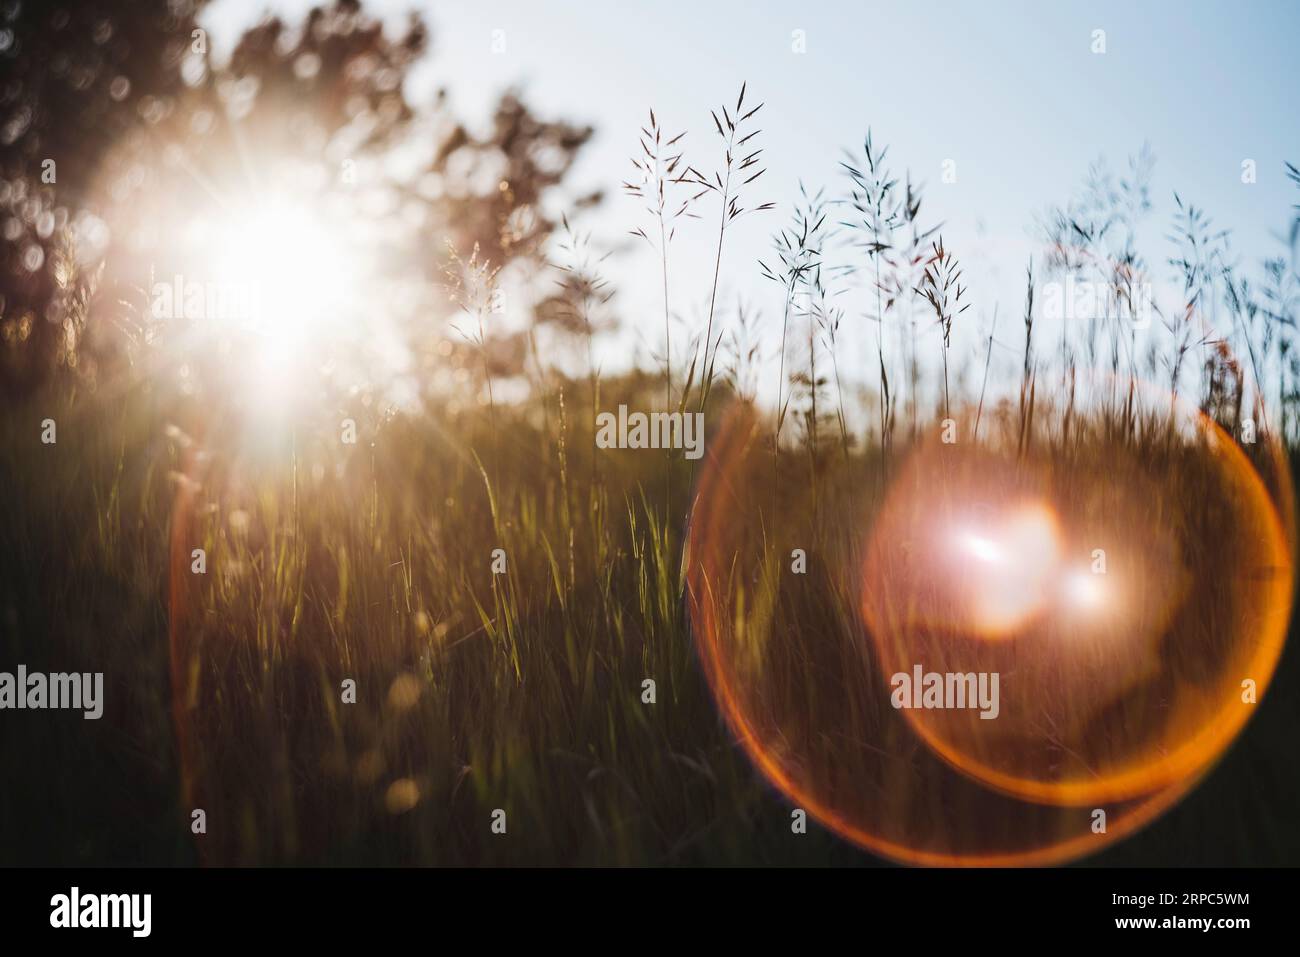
(1124, 576)
(1103, 698)
(1005, 571)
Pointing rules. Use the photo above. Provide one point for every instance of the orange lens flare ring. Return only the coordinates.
(1092, 708)
(1123, 598)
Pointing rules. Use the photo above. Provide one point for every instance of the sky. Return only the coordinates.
(1012, 93)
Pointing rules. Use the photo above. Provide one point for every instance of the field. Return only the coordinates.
(474, 691)
(402, 534)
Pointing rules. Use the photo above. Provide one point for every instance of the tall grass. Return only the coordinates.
(525, 690)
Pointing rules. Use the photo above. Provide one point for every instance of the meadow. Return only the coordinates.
(474, 691)
(483, 625)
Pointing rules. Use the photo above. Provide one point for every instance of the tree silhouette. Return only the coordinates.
(118, 129)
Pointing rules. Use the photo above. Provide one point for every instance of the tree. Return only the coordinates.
(148, 134)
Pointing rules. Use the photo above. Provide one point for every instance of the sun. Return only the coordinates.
(297, 282)
(301, 277)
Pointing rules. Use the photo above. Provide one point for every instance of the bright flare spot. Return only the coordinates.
(1083, 590)
(300, 281)
(981, 547)
(1015, 564)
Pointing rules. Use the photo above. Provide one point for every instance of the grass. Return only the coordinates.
(524, 689)
(474, 692)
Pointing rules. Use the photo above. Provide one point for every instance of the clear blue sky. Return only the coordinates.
(1011, 91)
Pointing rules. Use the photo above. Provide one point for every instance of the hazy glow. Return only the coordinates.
(1094, 590)
(981, 547)
(1012, 791)
(1084, 591)
(297, 269)
(1015, 562)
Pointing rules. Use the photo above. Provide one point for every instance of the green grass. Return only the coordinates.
(529, 683)
(475, 691)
